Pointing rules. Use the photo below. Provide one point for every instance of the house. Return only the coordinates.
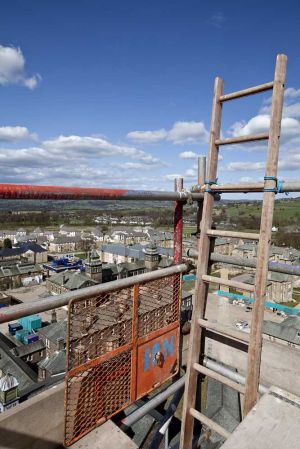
(31, 353)
(53, 365)
(69, 231)
(20, 274)
(118, 253)
(30, 251)
(54, 336)
(284, 255)
(34, 252)
(223, 246)
(14, 365)
(64, 244)
(288, 330)
(246, 250)
(279, 286)
(68, 281)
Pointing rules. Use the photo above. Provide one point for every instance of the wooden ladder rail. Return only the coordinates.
(201, 288)
(255, 345)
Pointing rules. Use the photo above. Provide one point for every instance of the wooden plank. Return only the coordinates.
(224, 380)
(228, 282)
(224, 330)
(273, 424)
(233, 234)
(242, 139)
(255, 346)
(209, 423)
(248, 91)
(200, 294)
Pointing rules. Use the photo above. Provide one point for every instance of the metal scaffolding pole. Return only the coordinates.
(31, 192)
(178, 224)
(52, 302)
(277, 267)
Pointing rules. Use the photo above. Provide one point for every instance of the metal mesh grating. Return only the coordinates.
(106, 339)
(158, 304)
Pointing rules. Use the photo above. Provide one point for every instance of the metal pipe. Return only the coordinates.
(201, 170)
(152, 403)
(252, 187)
(178, 224)
(32, 192)
(232, 375)
(161, 397)
(52, 302)
(164, 425)
(276, 267)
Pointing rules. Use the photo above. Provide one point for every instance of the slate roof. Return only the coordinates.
(288, 329)
(31, 348)
(64, 239)
(246, 278)
(55, 363)
(10, 252)
(54, 331)
(247, 246)
(71, 280)
(278, 277)
(9, 363)
(32, 246)
(18, 269)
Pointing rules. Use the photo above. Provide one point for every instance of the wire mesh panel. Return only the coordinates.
(121, 345)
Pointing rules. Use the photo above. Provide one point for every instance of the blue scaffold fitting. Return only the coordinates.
(210, 183)
(279, 185)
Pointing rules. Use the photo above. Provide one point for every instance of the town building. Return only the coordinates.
(68, 281)
(288, 331)
(20, 274)
(64, 244)
(93, 266)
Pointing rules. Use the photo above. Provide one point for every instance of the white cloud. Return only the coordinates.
(180, 133)
(92, 147)
(12, 68)
(147, 136)
(172, 176)
(76, 160)
(244, 166)
(290, 161)
(15, 133)
(291, 92)
(187, 155)
(290, 129)
(188, 132)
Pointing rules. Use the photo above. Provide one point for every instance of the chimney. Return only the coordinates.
(53, 316)
(60, 343)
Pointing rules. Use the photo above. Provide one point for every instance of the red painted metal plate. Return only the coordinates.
(121, 345)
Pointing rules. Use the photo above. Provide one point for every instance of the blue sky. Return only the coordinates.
(115, 93)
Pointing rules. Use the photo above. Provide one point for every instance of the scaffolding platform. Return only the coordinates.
(272, 424)
(107, 436)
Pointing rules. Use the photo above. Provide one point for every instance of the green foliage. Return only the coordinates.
(7, 243)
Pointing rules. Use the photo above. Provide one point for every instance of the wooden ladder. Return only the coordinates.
(194, 367)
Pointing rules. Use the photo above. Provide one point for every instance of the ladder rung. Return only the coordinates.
(242, 139)
(224, 380)
(239, 235)
(228, 282)
(209, 423)
(223, 330)
(249, 91)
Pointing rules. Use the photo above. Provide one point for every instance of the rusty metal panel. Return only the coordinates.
(121, 345)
